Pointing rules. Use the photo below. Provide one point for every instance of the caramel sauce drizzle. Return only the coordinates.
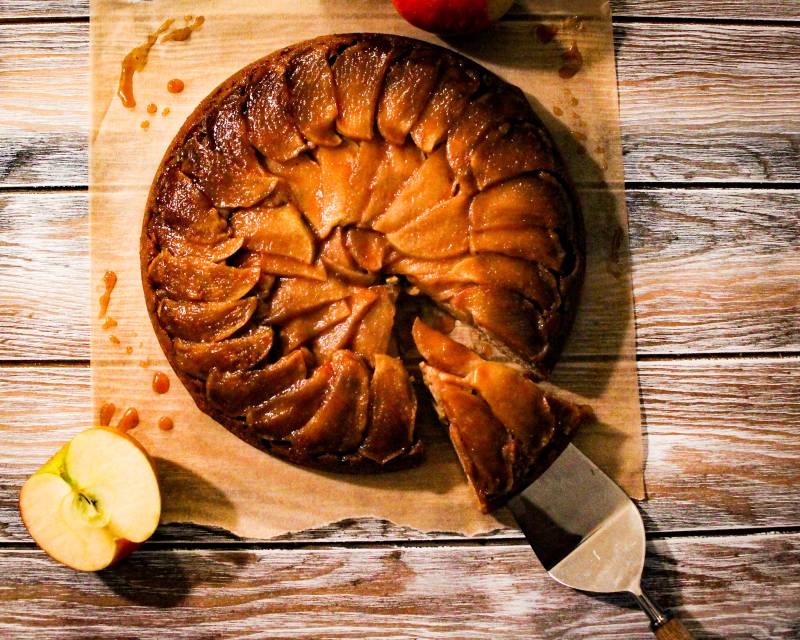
(106, 413)
(160, 382)
(165, 423)
(175, 85)
(128, 420)
(109, 281)
(136, 61)
(110, 323)
(573, 61)
(184, 33)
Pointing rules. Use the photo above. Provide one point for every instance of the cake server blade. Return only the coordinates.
(588, 534)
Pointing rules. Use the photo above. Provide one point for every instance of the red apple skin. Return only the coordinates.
(452, 17)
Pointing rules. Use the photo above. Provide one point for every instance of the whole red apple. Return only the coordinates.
(452, 17)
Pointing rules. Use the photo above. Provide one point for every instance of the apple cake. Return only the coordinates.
(330, 190)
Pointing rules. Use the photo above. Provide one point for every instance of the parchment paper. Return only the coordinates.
(209, 477)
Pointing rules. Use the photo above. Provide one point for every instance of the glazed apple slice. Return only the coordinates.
(528, 201)
(340, 335)
(454, 89)
(479, 438)
(291, 409)
(367, 248)
(368, 159)
(374, 333)
(505, 315)
(337, 165)
(297, 296)
(358, 76)
(288, 267)
(535, 244)
(271, 127)
(218, 250)
(234, 391)
(522, 149)
(481, 116)
(308, 326)
(392, 411)
(397, 165)
(339, 422)
(441, 232)
(409, 83)
(94, 502)
(312, 96)
(187, 210)
(279, 231)
(199, 358)
(303, 176)
(196, 279)
(527, 278)
(429, 185)
(223, 163)
(443, 352)
(205, 321)
(337, 258)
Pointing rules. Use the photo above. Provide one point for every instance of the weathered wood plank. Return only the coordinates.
(703, 9)
(44, 80)
(709, 102)
(698, 102)
(44, 275)
(727, 587)
(722, 442)
(714, 270)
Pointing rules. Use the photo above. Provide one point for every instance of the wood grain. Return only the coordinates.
(696, 289)
(705, 420)
(44, 276)
(702, 9)
(726, 587)
(698, 102)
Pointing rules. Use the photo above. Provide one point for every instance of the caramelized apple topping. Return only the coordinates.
(409, 83)
(312, 98)
(234, 391)
(321, 201)
(392, 410)
(205, 321)
(197, 359)
(190, 278)
(358, 75)
(270, 124)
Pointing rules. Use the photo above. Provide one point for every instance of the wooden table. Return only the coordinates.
(710, 102)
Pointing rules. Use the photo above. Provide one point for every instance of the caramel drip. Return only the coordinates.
(136, 61)
(175, 85)
(160, 382)
(165, 423)
(106, 413)
(109, 281)
(545, 33)
(110, 323)
(128, 420)
(573, 61)
(152, 108)
(184, 33)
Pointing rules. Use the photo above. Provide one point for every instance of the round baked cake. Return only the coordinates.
(321, 198)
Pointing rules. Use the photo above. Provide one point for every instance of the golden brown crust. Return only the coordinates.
(219, 171)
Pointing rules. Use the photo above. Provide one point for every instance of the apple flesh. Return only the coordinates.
(452, 17)
(94, 501)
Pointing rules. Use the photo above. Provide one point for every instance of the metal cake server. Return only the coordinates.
(588, 534)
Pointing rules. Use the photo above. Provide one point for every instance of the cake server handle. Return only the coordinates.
(663, 624)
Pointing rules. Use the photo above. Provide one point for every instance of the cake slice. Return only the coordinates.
(505, 428)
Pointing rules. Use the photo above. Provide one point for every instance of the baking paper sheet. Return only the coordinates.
(211, 478)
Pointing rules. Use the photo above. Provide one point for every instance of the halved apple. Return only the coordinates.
(94, 501)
